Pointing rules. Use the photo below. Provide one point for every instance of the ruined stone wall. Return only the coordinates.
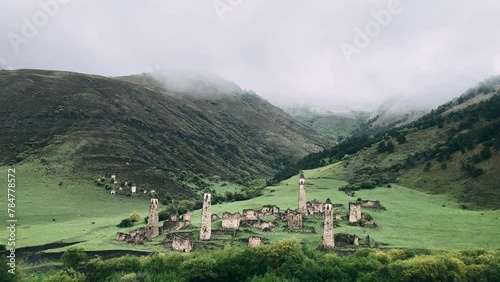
(135, 236)
(170, 226)
(206, 217)
(347, 239)
(315, 208)
(231, 220)
(153, 228)
(302, 195)
(328, 240)
(294, 220)
(182, 242)
(249, 214)
(214, 217)
(187, 216)
(254, 241)
(354, 212)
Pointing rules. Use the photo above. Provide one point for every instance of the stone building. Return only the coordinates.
(294, 220)
(315, 208)
(153, 228)
(133, 189)
(328, 240)
(354, 212)
(249, 214)
(268, 211)
(135, 236)
(182, 242)
(231, 220)
(175, 224)
(214, 217)
(206, 216)
(254, 241)
(302, 195)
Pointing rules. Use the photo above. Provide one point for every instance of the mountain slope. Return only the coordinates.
(91, 126)
(455, 150)
(334, 125)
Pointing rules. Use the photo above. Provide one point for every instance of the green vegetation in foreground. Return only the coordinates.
(288, 260)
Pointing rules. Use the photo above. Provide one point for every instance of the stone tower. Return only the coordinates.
(206, 216)
(328, 241)
(153, 229)
(302, 195)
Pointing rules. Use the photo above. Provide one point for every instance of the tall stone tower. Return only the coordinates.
(328, 241)
(153, 229)
(302, 195)
(206, 216)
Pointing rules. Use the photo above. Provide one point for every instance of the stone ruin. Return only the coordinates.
(175, 224)
(254, 241)
(294, 220)
(249, 214)
(231, 220)
(354, 212)
(268, 211)
(315, 208)
(252, 217)
(182, 242)
(214, 217)
(369, 204)
(367, 219)
(206, 217)
(347, 239)
(302, 195)
(153, 228)
(355, 215)
(135, 236)
(328, 238)
(142, 234)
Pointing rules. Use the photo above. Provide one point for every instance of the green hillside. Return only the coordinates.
(338, 127)
(453, 150)
(412, 219)
(95, 126)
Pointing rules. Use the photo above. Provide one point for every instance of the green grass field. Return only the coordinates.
(413, 218)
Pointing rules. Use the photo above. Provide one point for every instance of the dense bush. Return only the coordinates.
(288, 260)
(73, 256)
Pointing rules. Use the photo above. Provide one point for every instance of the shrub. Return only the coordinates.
(135, 216)
(125, 223)
(69, 275)
(73, 256)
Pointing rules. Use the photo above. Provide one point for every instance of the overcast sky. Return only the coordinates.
(328, 54)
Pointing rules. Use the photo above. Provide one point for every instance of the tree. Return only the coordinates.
(486, 153)
(184, 206)
(135, 216)
(73, 256)
(389, 147)
(401, 139)
(381, 147)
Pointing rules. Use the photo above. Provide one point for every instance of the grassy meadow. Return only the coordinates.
(85, 212)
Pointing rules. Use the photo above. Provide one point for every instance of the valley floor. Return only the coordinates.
(81, 211)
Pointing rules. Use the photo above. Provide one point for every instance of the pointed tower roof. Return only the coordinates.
(207, 190)
(328, 201)
(301, 176)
